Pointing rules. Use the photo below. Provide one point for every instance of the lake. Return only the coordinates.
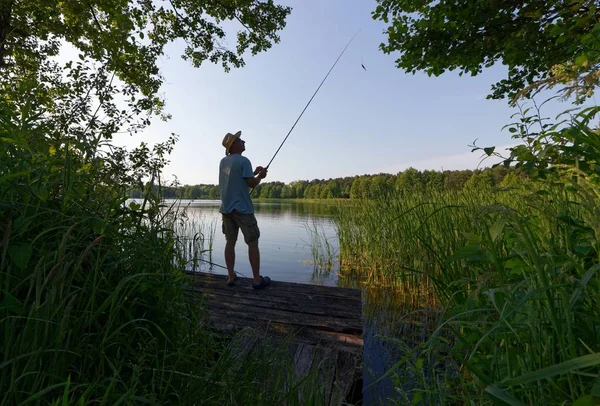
(287, 242)
(291, 251)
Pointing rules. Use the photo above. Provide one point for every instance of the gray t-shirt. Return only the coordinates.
(235, 193)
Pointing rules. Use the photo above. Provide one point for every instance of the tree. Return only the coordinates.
(378, 185)
(299, 188)
(480, 180)
(276, 191)
(357, 189)
(410, 180)
(265, 191)
(433, 180)
(532, 38)
(128, 36)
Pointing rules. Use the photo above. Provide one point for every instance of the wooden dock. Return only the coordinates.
(318, 315)
(324, 323)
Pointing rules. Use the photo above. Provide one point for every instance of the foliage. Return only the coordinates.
(549, 147)
(511, 275)
(128, 36)
(556, 42)
(93, 303)
(355, 187)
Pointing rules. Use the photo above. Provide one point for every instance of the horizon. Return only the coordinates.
(266, 180)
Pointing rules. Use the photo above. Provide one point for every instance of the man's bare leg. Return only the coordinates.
(254, 257)
(230, 259)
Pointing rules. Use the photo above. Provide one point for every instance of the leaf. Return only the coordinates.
(587, 400)
(581, 286)
(581, 60)
(419, 364)
(596, 388)
(418, 398)
(469, 253)
(489, 150)
(515, 265)
(497, 228)
(20, 255)
(584, 361)
(11, 303)
(42, 192)
(498, 394)
(97, 225)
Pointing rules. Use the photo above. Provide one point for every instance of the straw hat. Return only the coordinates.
(229, 139)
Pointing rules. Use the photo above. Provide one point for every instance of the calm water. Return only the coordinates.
(286, 245)
(287, 238)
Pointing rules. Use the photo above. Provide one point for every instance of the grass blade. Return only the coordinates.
(585, 361)
(498, 394)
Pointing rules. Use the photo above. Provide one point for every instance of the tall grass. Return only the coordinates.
(93, 310)
(93, 304)
(194, 237)
(323, 251)
(512, 275)
(93, 289)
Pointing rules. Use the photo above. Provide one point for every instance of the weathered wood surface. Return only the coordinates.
(331, 374)
(309, 314)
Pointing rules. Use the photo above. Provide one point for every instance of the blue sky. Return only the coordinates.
(381, 120)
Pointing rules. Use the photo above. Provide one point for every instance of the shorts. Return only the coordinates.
(235, 221)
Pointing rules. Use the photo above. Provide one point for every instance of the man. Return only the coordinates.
(235, 179)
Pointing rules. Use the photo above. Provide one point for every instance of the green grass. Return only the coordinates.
(102, 318)
(93, 304)
(509, 279)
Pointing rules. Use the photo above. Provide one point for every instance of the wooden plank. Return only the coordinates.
(341, 341)
(256, 309)
(348, 370)
(266, 314)
(275, 292)
(305, 306)
(315, 315)
(285, 286)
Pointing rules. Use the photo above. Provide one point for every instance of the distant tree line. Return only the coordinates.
(360, 186)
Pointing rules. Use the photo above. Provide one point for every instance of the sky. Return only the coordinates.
(381, 120)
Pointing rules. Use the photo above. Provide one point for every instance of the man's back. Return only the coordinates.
(235, 195)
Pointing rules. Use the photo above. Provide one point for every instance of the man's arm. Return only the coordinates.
(253, 182)
(260, 173)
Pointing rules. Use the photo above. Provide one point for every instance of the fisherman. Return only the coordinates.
(235, 177)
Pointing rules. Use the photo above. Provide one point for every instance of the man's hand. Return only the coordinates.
(262, 173)
(259, 174)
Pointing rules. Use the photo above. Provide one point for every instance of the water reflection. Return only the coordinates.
(287, 248)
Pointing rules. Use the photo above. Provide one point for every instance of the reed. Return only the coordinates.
(323, 250)
(509, 278)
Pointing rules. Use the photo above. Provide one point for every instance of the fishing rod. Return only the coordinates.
(311, 99)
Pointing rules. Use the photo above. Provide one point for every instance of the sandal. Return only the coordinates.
(264, 282)
(232, 282)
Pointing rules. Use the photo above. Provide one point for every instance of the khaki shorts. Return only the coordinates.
(235, 221)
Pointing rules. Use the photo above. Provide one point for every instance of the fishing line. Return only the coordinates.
(221, 266)
(313, 96)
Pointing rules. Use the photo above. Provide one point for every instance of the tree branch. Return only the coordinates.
(5, 29)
